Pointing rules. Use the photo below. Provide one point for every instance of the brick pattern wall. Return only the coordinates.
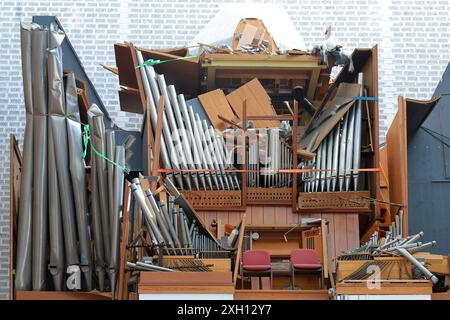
(413, 38)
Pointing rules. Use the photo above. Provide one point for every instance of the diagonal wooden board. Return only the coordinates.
(215, 104)
(258, 103)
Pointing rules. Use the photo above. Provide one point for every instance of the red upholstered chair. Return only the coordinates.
(256, 263)
(305, 261)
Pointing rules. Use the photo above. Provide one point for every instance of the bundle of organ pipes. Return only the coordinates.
(396, 245)
(170, 228)
(187, 142)
(54, 231)
(267, 153)
(338, 156)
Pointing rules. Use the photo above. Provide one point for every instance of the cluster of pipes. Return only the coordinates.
(338, 155)
(396, 245)
(187, 142)
(107, 178)
(169, 226)
(55, 238)
(267, 153)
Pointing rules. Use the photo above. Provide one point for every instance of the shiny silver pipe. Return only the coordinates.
(418, 265)
(349, 151)
(318, 159)
(118, 185)
(342, 152)
(323, 164)
(183, 134)
(184, 238)
(152, 94)
(170, 226)
(422, 247)
(136, 189)
(335, 164)
(219, 156)
(161, 224)
(206, 163)
(330, 143)
(357, 135)
(178, 145)
(413, 238)
(195, 148)
(209, 153)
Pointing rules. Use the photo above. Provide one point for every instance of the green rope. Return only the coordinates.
(152, 62)
(87, 140)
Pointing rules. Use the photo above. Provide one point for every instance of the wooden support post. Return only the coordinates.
(239, 250)
(123, 285)
(294, 156)
(157, 145)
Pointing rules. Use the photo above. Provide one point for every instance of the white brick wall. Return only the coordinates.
(413, 38)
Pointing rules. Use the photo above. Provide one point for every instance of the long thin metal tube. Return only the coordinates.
(336, 142)
(78, 178)
(170, 226)
(161, 224)
(208, 153)
(357, 136)
(216, 162)
(318, 159)
(179, 147)
(182, 134)
(323, 164)
(118, 185)
(330, 142)
(205, 162)
(418, 265)
(219, 156)
(195, 148)
(136, 189)
(349, 151)
(146, 76)
(343, 152)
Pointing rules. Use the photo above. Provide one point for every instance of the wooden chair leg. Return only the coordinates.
(320, 280)
(292, 279)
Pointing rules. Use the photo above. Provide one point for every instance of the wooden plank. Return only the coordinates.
(397, 162)
(340, 233)
(269, 215)
(161, 279)
(393, 288)
(215, 104)
(61, 295)
(258, 103)
(281, 295)
(194, 289)
(352, 231)
(257, 215)
(123, 245)
(330, 240)
(281, 215)
(239, 251)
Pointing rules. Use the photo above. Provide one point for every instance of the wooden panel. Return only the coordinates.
(61, 295)
(257, 214)
(193, 289)
(397, 161)
(330, 240)
(391, 288)
(258, 103)
(340, 233)
(281, 295)
(280, 215)
(353, 201)
(269, 215)
(184, 278)
(215, 104)
(352, 231)
(183, 74)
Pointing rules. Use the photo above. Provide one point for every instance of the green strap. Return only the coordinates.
(87, 139)
(152, 62)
